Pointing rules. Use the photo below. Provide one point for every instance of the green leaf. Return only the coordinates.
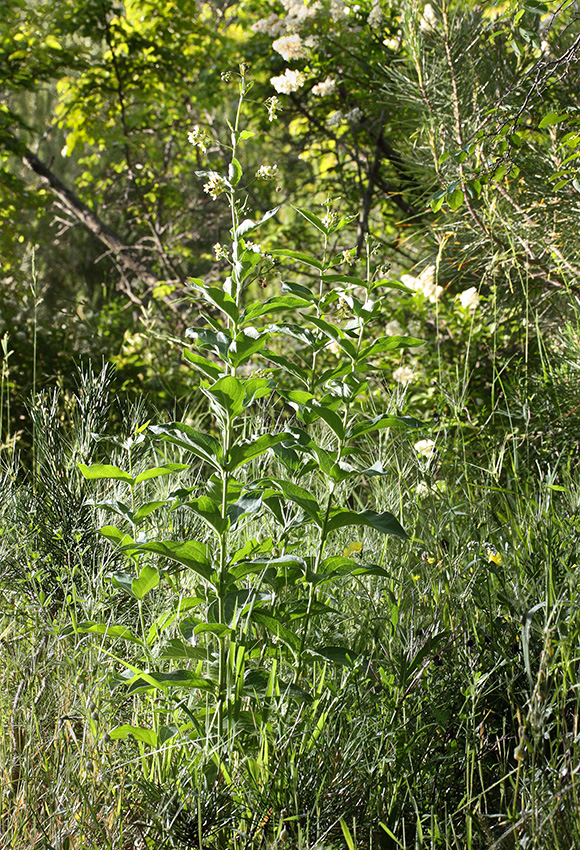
(191, 553)
(275, 627)
(112, 632)
(234, 172)
(146, 736)
(455, 199)
(335, 654)
(148, 579)
(209, 511)
(313, 219)
(226, 397)
(203, 365)
(277, 303)
(202, 445)
(105, 470)
(246, 344)
(300, 497)
(218, 298)
(178, 649)
(147, 508)
(389, 343)
(156, 471)
(249, 503)
(385, 522)
(380, 422)
(307, 259)
(552, 118)
(245, 450)
(115, 535)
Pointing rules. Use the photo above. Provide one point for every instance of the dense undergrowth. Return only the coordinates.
(257, 654)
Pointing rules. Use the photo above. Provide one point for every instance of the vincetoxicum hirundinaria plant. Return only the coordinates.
(247, 632)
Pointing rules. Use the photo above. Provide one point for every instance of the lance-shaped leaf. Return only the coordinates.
(289, 366)
(206, 367)
(249, 503)
(146, 736)
(246, 450)
(300, 256)
(191, 554)
(217, 341)
(178, 649)
(299, 496)
(275, 627)
(248, 226)
(257, 388)
(209, 511)
(335, 654)
(105, 470)
(157, 471)
(385, 522)
(109, 631)
(115, 535)
(389, 343)
(175, 678)
(245, 345)
(380, 422)
(218, 298)
(202, 445)
(313, 219)
(277, 303)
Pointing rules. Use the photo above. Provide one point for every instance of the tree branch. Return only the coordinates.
(125, 258)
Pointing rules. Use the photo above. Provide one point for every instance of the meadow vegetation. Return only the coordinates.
(290, 493)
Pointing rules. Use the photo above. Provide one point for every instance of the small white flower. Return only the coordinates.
(403, 375)
(290, 47)
(253, 246)
(267, 172)
(469, 299)
(289, 81)
(324, 89)
(426, 448)
(354, 115)
(335, 118)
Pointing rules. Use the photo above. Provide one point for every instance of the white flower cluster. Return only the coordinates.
(426, 448)
(290, 47)
(215, 185)
(424, 283)
(469, 299)
(335, 118)
(298, 13)
(375, 17)
(267, 172)
(338, 10)
(199, 138)
(324, 89)
(273, 107)
(289, 81)
(393, 328)
(220, 251)
(354, 115)
(272, 26)
(428, 20)
(403, 375)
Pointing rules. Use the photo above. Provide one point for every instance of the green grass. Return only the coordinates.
(453, 723)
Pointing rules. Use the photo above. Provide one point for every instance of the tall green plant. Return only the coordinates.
(251, 619)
